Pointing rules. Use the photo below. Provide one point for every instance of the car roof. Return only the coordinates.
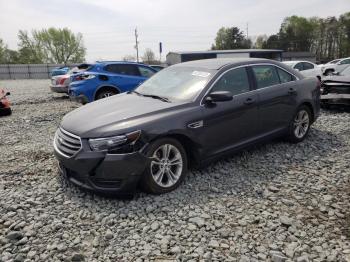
(297, 61)
(218, 63)
(119, 62)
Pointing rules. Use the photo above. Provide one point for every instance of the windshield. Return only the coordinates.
(176, 83)
(345, 71)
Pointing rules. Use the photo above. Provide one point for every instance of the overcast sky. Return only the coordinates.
(182, 25)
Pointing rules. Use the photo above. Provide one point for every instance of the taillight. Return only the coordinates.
(79, 77)
(61, 81)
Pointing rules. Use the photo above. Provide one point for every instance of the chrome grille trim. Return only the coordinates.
(66, 144)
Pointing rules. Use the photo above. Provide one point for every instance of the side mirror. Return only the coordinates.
(296, 69)
(336, 73)
(218, 96)
(7, 94)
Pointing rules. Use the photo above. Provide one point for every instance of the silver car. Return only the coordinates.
(60, 83)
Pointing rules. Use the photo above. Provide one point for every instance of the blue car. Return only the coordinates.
(59, 71)
(105, 79)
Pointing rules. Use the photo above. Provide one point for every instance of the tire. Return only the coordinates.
(105, 92)
(5, 111)
(169, 176)
(300, 125)
(324, 105)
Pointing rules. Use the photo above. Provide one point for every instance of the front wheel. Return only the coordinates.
(167, 168)
(300, 126)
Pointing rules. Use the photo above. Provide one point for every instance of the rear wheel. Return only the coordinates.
(300, 126)
(106, 92)
(167, 168)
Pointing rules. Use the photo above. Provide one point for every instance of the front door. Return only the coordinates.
(231, 123)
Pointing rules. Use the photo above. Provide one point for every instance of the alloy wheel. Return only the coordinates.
(107, 94)
(166, 166)
(301, 124)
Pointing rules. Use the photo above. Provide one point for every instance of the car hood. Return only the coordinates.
(116, 115)
(337, 79)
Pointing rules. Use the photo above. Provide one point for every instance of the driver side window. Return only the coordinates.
(236, 81)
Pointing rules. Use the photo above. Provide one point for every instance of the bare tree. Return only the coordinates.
(148, 56)
(129, 58)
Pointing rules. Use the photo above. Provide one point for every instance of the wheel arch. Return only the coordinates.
(310, 107)
(105, 87)
(188, 144)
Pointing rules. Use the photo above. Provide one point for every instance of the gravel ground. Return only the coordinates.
(276, 202)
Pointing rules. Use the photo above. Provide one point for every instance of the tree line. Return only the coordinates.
(52, 45)
(327, 38)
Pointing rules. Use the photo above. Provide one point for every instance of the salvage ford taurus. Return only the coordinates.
(187, 114)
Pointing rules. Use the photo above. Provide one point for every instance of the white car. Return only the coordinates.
(335, 66)
(306, 68)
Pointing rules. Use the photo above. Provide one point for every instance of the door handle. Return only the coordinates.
(292, 91)
(249, 101)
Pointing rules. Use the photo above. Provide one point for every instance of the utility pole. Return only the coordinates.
(247, 30)
(136, 45)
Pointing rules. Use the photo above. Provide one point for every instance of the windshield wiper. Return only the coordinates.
(162, 98)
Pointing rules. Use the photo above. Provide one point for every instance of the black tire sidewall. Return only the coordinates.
(291, 135)
(147, 182)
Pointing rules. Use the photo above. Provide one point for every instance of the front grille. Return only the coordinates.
(66, 143)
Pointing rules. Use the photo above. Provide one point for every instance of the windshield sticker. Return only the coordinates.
(200, 73)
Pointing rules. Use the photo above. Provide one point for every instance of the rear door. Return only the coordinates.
(277, 92)
(231, 123)
(310, 70)
(125, 76)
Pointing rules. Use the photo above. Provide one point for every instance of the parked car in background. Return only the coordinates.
(105, 79)
(157, 67)
(331, 62)
(306, 68)
(59, 71)
(5, 106)
(187, 114)
(331, 67)
(60, 83)
(336, 89)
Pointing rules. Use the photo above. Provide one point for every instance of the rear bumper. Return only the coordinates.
(80, 98)
(59, 89)
(104, 173)
(336, 99)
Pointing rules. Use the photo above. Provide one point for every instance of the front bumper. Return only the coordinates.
(336, 99)
(103, 173)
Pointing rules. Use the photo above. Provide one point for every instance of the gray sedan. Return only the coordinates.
(187, 114)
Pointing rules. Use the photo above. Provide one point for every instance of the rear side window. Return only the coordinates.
(146, 72)
(299, 66)
(265, 75)
(123, 69)
(285, 76)
(236, 81)
(308, 66)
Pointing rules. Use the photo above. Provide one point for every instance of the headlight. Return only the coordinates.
(113, 142)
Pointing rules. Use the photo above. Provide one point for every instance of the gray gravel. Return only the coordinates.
(276, 202)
